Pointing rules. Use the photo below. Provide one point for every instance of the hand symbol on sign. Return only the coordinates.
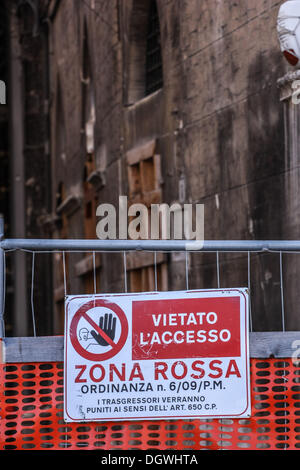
(108, 326)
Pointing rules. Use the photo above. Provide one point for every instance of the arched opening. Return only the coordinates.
(88, 99)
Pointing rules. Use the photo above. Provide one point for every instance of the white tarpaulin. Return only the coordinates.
(288, 27)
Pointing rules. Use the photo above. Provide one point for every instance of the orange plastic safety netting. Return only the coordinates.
(31, 403)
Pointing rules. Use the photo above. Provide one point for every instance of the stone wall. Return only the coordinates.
(217, 125)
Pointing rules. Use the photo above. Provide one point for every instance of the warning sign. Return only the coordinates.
(109, 331)
(157, 355)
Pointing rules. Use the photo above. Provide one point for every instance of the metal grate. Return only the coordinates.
(31, 416)
(154, 72)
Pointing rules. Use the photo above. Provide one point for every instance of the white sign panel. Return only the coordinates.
(158, 355)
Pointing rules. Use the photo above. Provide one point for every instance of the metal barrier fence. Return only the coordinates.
(31, 373)
(35, 246)
(31, 403)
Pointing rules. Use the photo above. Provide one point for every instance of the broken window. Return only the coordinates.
(143, 70)
(154, 71)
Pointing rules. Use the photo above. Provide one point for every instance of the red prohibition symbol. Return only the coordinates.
(115, 346)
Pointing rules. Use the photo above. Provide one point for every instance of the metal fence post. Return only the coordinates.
(2, 277)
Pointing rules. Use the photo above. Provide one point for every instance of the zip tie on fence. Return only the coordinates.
(218, 270)
(281, 293)
(249, 289)
(64, 270)
(125, 271)
(32, 289)
(155, 271)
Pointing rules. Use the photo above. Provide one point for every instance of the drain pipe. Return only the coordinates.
(17, 175)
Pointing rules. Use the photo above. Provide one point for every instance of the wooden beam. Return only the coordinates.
(51, 348)
(34, 349)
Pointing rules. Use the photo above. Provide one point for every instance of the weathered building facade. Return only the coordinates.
(165, 101)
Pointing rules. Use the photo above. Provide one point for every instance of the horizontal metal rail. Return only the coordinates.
(151, 245)
(122, 246)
